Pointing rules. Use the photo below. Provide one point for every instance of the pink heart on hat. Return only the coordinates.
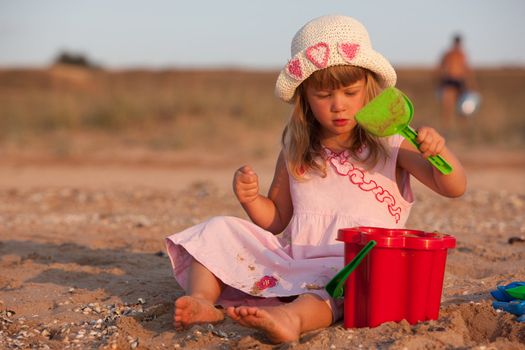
(348, 51)
(318, 54)
(294, 69)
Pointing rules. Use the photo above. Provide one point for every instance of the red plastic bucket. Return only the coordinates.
(401, 278)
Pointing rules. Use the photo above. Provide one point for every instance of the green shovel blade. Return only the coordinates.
(390, 113)
(517, 292)
(336, 285)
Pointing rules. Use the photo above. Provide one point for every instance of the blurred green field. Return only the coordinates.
(64, 106)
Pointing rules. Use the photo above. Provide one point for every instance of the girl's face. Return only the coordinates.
(335, 109)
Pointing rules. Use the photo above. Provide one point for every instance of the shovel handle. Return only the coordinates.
(336, 285)
(437, 161)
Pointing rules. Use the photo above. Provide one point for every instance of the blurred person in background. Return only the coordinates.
(455, 79)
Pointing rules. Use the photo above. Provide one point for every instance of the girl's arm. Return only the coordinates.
(415, 162)
(272, 213)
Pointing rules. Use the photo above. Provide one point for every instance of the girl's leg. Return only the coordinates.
(285, 323)
(449, 98)
(197, 306)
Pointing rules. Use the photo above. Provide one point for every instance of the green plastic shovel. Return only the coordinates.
(336, 285)
(390, 113)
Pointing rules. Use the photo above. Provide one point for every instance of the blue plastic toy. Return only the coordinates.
(500, 294)
(516, 307)
(512, 302)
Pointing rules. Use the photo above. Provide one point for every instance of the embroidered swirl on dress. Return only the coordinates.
(357, 176)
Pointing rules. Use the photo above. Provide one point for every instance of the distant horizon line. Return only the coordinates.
(226, 67)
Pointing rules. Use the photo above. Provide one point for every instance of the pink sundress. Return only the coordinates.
(258, 267)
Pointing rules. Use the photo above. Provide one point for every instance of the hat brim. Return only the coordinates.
(367, 58)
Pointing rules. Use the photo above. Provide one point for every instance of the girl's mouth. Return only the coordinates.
(340, 122)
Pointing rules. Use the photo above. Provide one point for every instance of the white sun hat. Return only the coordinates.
(330, 41)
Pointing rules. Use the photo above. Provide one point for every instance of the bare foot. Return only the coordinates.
(190, 310)
(279, 324)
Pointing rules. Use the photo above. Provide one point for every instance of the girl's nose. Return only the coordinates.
(337, 103)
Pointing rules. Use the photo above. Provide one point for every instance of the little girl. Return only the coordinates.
(330, 174)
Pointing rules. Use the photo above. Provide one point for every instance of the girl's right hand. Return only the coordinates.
(245, 184)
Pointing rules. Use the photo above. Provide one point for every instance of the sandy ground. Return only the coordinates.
(83, 264)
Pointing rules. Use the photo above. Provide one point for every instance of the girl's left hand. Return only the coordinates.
(431, 143)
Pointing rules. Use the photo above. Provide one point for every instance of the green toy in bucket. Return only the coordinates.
(390, 113)
(336, 285)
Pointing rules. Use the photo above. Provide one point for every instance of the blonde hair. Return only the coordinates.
(301, 136)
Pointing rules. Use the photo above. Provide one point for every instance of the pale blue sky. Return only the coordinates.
(250, 34)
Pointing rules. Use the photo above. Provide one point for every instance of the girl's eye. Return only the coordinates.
(350, 93)
(323, 95)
